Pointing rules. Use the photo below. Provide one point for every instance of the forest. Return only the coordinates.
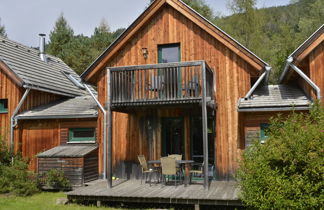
(271, 33)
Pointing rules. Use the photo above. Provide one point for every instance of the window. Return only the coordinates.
(3, 105)
(82, 135)
(263, 132)
(169, 53)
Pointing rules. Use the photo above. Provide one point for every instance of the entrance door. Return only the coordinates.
(172, 136)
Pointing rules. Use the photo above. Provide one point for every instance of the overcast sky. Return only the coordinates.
(25, 19)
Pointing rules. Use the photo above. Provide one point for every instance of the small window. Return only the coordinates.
(82, 135)
(263, 132)
(169, 53)
(3, 105)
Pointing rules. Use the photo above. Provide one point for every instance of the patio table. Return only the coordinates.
(180, 162)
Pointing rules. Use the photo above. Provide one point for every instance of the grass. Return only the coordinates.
(40, 201)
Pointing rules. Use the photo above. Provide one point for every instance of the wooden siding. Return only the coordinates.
(40, 135)
(316, 68)
(10, 90)
(232, 76)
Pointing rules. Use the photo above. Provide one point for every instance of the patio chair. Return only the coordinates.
(198, 170)
(156, 83)
(176, 156)
(169, 168)
(145, 169)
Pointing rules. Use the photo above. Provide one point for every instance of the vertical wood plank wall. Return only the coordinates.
(316, 67)
(231, 73)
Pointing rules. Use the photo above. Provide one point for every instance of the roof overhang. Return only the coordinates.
(22, 117)
(10, 73)
(274, 109)
(188, 12)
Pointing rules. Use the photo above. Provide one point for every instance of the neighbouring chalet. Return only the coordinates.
(300, 84)
(172, 81)
(42, 106)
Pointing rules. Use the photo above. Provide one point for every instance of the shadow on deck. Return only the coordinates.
(220, 193)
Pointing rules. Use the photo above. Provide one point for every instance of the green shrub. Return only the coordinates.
(287, 172)
(14, 175)
(56, 179)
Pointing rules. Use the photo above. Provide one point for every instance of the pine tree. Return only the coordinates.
(59, 37)
(2, 30)
(102, 37)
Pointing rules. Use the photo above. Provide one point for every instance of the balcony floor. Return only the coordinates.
(224, 193)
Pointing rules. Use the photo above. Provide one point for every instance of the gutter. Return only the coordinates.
(276, 109)
(302, 74)
(14, 121)
(104, 131)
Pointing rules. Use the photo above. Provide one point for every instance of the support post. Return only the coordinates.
(109, 131)
(204, 125)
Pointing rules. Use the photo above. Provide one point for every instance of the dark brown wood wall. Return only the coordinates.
(232, 76)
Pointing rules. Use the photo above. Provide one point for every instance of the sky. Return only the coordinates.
(24, 20)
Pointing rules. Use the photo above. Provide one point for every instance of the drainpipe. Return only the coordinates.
(256, 84)
(104, 132)
(308, 80)
(288, 62)
(13, 121)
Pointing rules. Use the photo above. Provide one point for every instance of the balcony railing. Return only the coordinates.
(167, 83)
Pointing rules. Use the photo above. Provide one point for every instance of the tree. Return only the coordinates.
(102, 37)
(287, 171)
(2, 30)
(59, 37)
(202, 8)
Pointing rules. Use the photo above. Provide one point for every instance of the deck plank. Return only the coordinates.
(134, 191)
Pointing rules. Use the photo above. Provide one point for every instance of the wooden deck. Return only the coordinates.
(221, 193)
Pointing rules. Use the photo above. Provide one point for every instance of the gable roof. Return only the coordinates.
(78, 107)
(275, 98)
(188, 12)
(303, 51)
(24, 66)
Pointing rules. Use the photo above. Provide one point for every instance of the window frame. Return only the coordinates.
(161, 46)
(2, 103)
(72, 139)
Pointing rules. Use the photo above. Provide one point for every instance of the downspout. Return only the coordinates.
(308, 80)
(14, 121)
(256, 84)
(301, 73)
(104, 131)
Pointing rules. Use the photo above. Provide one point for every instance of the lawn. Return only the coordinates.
(40, 201)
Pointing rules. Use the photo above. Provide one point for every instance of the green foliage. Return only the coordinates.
(287, 172)
(2, 30)
(15, 177)
(273, 33)
(56, 179)
(79, 51)
(202, 8)
(59, 37)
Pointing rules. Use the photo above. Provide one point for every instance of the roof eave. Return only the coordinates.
(274, 109)
(78, 116)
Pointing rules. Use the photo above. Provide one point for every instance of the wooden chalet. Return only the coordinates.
(299, 86)
(170, 84)
(42, 106)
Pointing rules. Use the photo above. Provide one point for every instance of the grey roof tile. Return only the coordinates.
(78, 107)
(68, 151)
(27, 65)
(272, 96)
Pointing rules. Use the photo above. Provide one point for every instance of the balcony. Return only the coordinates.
(160, 84)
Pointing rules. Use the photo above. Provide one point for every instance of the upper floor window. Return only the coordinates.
(82, 135)
(169, 53)
(3, 105)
